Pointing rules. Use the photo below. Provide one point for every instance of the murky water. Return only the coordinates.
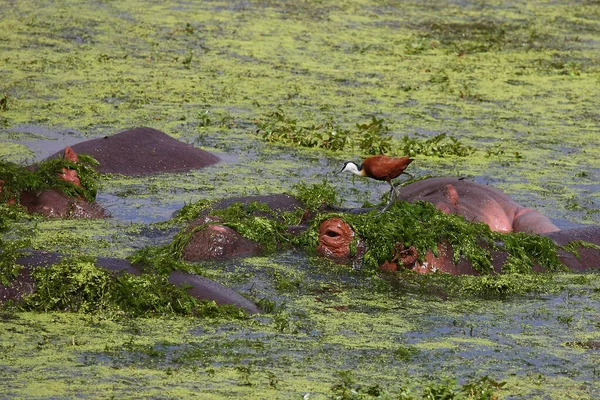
(516, 80)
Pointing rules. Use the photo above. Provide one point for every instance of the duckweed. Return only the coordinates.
(517, 81)
(45, 175)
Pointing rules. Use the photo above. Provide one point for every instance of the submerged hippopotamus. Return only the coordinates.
(337, 240)
(197, 286)
(143, 151)
(52, 201)
(155, 152)
(476, 203)
(139, 151)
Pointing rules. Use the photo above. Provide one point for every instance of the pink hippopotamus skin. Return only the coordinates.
(54, 203)
(478, 203)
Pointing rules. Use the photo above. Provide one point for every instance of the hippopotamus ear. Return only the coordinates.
(70, 155)
(451, 195)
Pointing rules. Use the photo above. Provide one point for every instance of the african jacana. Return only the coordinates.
(381, 168)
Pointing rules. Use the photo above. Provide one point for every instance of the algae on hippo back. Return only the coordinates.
(418, 224)
(15, 178)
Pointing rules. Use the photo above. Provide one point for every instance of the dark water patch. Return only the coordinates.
(43, 141)
(137, 210)
(527, 332)
(79, 35)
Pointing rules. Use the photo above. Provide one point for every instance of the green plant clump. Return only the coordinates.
(421, 225)
(434, 146)
(483, 388)
(279, 128)
(45, 175)
(191, 211)
(256, 222)
(316, 195)
(10, 250)
(372, 137)
(77, 285)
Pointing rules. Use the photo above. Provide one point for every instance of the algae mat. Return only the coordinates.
(517, 82)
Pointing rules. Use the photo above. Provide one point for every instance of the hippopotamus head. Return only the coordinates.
(337, 239)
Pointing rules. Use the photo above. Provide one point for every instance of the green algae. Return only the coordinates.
(232, 357)
(46, 175)
(77, 285)
(518, 82)
(8, 152)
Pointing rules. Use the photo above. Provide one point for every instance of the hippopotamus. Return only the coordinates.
(477, 203)
(53, 201)
(336, 236)
(155, 152)
(197, 286)
(212, 241)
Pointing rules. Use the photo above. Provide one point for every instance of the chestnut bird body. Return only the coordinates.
(381, 168)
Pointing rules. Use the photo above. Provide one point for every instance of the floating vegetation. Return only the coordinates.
(191, 211)
(10, 250)
(77, 285)
(316, 195)
(484, 388)
(372, 137)
(16, 178)
(277, 127)
(436, 146)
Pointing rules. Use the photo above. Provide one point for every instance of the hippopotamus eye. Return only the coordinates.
(331, 233)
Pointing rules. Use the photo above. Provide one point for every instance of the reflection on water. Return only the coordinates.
(137, 210)
(44, 142)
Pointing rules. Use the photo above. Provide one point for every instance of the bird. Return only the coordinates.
(381, 168)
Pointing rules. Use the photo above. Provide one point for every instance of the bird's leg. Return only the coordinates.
(395, 188)
(391, 198)
(395, 191)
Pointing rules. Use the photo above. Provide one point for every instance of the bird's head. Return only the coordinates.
(349, 166)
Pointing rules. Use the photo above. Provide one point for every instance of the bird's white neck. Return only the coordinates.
(352, 167)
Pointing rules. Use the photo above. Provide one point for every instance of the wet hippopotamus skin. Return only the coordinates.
(216, 242)
(143, 151)
(53, 203)
(478, 203)
(335, 237)
(138, 151)
(212, 241)
(338, 249)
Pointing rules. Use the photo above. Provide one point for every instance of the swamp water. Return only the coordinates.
(517, 82)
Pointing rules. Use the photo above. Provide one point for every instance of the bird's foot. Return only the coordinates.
(388, 205)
